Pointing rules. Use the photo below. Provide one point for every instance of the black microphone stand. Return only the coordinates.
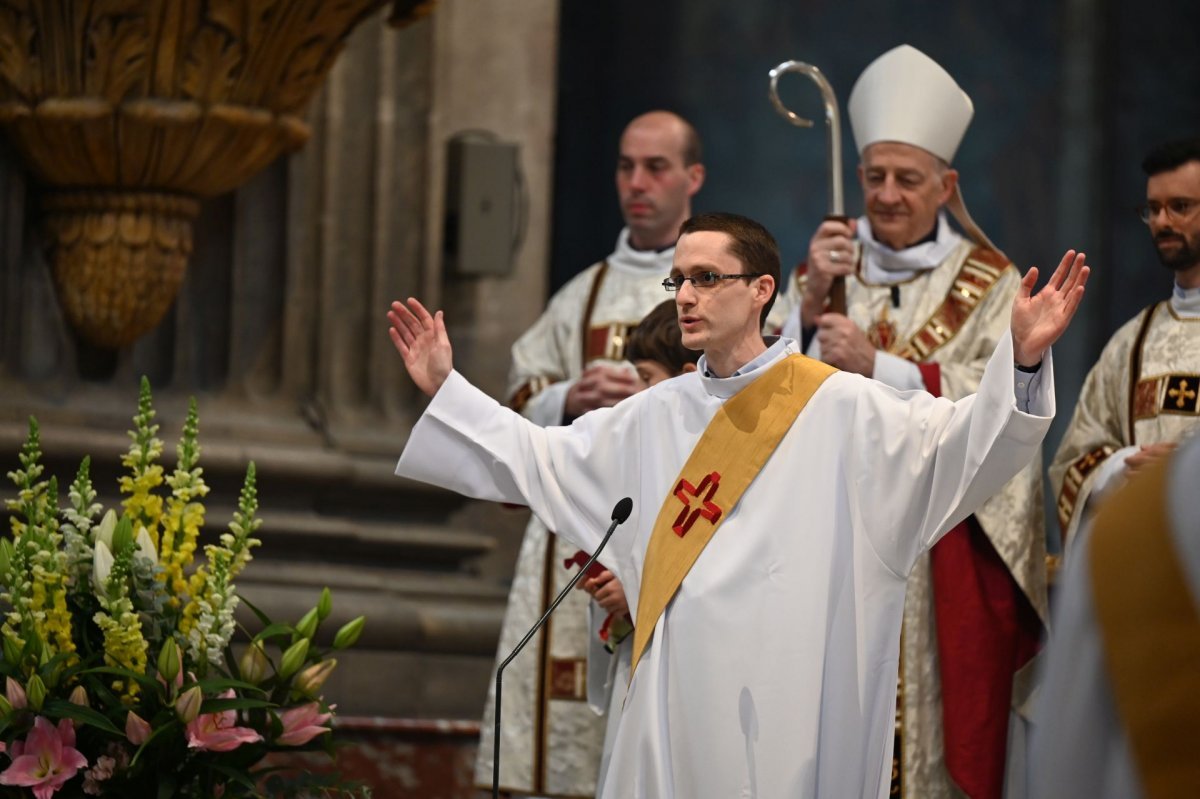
(620, 513)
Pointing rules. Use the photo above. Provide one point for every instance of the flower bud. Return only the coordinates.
(168, 661)
(103, 532)
(253, 664)
(6, 555)
(145, 546)
(36, 690)
(12, 651)
(293, 658)
(102, 563)
(122, 538)
(5, 708)
(308, 624)
(187, 706)
(79, 696)
(324, 604)
(312, 678)
(55, 676)
(348, 635)
(15, 694)
(137, 729)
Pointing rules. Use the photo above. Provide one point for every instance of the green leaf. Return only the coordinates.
(218, 684)
(145, 681)
(276, 630)
(170, 725)
(59, 708)
(264, 618)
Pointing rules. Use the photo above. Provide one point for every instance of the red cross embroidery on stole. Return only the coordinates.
(705, 507)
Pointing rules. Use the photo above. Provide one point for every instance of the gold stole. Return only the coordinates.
(737, 443)
(1150, 633)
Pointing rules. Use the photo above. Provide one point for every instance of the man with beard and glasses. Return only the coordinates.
(1140, 399)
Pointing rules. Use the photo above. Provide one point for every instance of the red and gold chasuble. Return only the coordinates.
(735, 446)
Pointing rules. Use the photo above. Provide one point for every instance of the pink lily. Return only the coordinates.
(46, 759)
(301, 724)
(216, 732)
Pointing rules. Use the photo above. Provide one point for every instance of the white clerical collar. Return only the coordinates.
(627, 258)
(725, 387)
(1186, 302)
(882, 264)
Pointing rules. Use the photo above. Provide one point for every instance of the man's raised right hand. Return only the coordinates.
(422, 342)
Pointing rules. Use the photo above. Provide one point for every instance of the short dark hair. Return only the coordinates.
(752, 244)
(1171, 155)
(658, 338)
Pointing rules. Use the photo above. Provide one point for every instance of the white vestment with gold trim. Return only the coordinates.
(1118, 411)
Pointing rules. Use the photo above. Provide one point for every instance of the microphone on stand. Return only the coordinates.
(620, 513)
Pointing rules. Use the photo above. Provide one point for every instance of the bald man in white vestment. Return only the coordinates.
(800, 497)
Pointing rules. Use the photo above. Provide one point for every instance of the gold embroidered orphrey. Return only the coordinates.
(979, 273)
(736, 444)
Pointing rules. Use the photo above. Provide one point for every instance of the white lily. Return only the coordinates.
(146, 546)
(104, 530)
(102, 563)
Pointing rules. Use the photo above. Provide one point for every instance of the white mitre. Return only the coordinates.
(905, 96)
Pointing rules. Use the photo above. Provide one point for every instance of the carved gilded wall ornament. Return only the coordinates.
(128, 111)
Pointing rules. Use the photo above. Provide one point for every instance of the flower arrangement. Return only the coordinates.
(119, 674)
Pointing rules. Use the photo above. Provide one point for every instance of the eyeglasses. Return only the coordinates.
(704, 280)
(1177, 208)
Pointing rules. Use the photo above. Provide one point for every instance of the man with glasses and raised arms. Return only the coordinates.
(778, 507)
(1140, 399)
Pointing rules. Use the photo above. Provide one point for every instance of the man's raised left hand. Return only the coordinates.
(1038, 320)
